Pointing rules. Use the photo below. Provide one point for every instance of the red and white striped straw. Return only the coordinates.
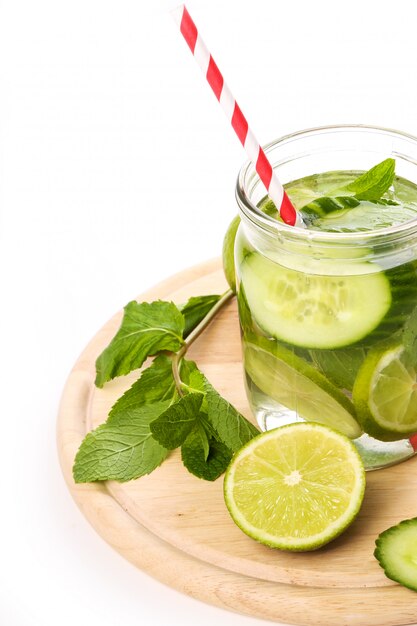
(233, 113)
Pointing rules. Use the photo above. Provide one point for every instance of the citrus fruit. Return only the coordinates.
(229, 254)
(385, 393)
(289, 380)
(296, 487)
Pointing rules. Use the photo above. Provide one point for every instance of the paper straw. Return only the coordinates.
(234, 114)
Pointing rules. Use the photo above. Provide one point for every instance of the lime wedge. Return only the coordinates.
(296, 487)
(385, 394)
(228, 253)
(289, 380)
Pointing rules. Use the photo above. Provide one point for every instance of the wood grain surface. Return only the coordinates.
(177, 528)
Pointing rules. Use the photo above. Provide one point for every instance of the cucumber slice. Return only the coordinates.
(289, 380)
(311, 310)
(403, 282)
(396, 552)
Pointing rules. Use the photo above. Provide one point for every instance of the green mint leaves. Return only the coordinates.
(409, 335)
(171, 405)
(209, 464)
(339, 366)
(375, 182)
(369, 186)
(156, 384)
(196, 310)
(121, 449)
(147, 328)
(172, 428)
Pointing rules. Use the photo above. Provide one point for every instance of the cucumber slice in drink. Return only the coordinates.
(385, 393)
(396, 552)
(292, 382)
(312, 310)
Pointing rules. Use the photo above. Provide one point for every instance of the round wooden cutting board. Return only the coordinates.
(177, 528)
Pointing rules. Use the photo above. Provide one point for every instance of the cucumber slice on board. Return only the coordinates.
(312, 310)
(396, 552)
(292, 382)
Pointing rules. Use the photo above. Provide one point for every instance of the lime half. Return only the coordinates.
(385, 394)
(289, 380)
(296, 487)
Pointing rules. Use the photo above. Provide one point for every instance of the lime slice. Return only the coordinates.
(296, 487)
(228, 254)
(385, 394)
(289, 380)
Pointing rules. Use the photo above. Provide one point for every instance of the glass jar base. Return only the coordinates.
(375, 454)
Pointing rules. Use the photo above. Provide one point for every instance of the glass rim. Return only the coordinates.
(273, 226)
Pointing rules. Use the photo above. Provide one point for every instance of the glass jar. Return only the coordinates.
(322, 314)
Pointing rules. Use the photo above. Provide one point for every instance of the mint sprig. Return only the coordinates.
(375, 182)
(369, 186)
(172, 404)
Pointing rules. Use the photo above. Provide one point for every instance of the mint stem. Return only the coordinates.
(177, 356)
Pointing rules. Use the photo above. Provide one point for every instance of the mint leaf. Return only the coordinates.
(219, 418)
(195, 310)
(122, 450)
(204, 437)
(375, 182)
(155, 384)
(339, 366)
(229, 425)
(146, 329)
(409, 335)
(233, 429)
(173, 426)
(194, 459)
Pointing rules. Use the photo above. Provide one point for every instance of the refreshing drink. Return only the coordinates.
(329, 313)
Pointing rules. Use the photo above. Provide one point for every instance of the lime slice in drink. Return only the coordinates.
(385, 394)
(296, 487)
(228, 253)
(289, 380)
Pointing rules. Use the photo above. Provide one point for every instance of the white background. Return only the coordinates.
(117, 170)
